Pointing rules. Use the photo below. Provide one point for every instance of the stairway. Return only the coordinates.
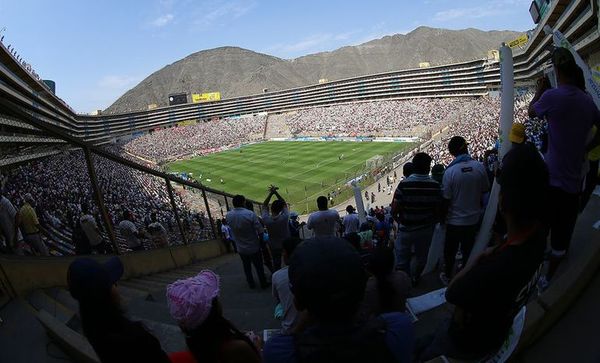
(277, 127)
(143, 299)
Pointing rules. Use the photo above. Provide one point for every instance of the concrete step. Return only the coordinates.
(64, 297)
(159, 278)
(128, 293)
(170, 336)
(73, 343)
(141, 285)
(39, 300)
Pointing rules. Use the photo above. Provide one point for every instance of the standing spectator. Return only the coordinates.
(490, 292)
(28, 221)
(570, 114)
(277, 223)
(115, 338)
(227, 236)
(157, 232)
(382, 230)
(194, 304)
(246, 230)
(8, 213)
(372, 197)
(350, 222)
(464, 184)
(91, 230)
(437, 173)
(328, 281)
(130, 232)
(281, 289)
(407, 169)
(323, 222)
(417, 204)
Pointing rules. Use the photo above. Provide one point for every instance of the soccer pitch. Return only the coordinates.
(302, 170)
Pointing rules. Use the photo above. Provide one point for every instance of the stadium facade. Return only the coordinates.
(26, 98)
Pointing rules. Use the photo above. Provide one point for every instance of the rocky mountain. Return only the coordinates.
(236, 72)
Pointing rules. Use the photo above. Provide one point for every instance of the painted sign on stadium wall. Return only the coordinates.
(519, 42)
(206, 97)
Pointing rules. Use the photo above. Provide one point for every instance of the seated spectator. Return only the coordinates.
(437, 172)
(157, 232)
(91, 230)
(281, 289)
(407, 169)
(130, 232)
(387, 289)
(194, 304)
(114, 337)
(328, 281)
(489, 293)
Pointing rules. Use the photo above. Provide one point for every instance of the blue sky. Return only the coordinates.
(97, 50)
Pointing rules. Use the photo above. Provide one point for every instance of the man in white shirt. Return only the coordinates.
(281, 290)
(130, 232)
(323, 222)
(90, 228)
(246, 230)
(277, 223)
(464, 183)
(351, 222)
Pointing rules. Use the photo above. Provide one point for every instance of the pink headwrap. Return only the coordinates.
(190, 300)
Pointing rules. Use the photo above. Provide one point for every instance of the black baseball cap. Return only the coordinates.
(88, 278)
(327, 278)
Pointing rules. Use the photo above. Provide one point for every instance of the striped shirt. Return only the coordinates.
(418, 201)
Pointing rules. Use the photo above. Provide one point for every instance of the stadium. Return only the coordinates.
(181, 166)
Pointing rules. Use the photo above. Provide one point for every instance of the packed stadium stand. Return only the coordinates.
(109, 162)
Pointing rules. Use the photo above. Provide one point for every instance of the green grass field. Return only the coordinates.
(302, 170)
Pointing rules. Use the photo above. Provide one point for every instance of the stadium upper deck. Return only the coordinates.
(24, 95)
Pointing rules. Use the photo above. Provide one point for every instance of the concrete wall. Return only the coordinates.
(23, 274)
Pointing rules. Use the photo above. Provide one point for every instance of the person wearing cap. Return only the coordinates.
(351, 222)
(570, 113)
(488, 293)
(32, 230)
(114, 337)
(277, 223)
(246, 228)
(417, 206)
(294, 225)
(464, 185)
(194, 304)
(325, 221)
(328, 281)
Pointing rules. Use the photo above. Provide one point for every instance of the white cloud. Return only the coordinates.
(162, 20)
(116, 82)
(230, 9)
(485, 10)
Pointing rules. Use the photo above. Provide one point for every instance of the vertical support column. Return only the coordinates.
(212, 223)
(175, 212)
(100, 200)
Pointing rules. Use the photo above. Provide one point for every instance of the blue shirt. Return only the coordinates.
(399, 338)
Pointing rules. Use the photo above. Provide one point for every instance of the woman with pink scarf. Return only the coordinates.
(194, 304)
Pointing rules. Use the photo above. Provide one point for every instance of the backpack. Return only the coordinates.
(363, 345)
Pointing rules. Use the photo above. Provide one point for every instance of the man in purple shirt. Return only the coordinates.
(570, 113)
